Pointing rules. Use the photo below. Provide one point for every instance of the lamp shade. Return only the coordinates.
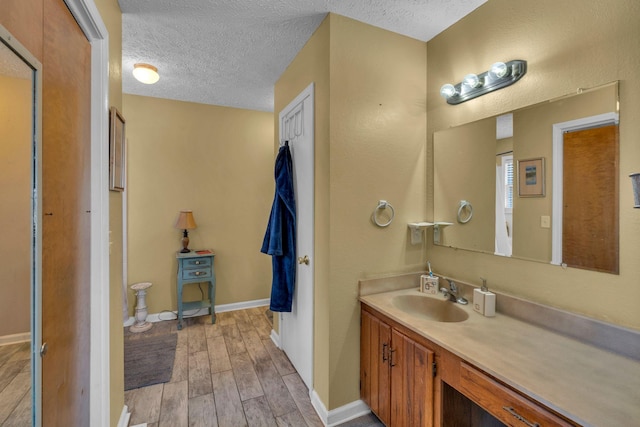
(185, 221)
(145, 73)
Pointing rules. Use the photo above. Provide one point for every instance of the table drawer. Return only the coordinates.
(504, 403)
(197, 262)
(196, 273)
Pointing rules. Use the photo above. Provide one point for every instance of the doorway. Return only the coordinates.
(296, 328)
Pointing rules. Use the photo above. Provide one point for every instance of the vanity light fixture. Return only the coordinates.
(145, 73)
(500, 75)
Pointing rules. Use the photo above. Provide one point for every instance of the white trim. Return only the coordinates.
(275, 338)
(339, 415)
(15, 338)
(558, 158)
(125, 415)
(171, 315)
(88, 17)
(242, 305)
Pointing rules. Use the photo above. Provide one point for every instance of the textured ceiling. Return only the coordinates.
(231, 52)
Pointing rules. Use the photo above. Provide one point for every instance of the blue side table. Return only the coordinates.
(196, 267)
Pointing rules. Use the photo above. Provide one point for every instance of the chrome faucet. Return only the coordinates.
(452, 293)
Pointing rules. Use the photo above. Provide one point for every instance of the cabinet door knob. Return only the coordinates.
(392, 363)
(43, 349)
(384, 352)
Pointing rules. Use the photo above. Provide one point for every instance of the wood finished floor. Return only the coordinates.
(226, 374)
(15, 385)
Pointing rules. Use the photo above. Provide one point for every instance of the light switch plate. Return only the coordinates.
(545, 221)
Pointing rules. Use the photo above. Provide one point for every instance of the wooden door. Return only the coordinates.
(66, 219)
(375, 385)
(411, 383)
(590, 206)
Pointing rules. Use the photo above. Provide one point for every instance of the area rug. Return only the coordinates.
(149, 360)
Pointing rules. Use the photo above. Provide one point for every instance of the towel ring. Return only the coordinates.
(383, 204)
(465, 212)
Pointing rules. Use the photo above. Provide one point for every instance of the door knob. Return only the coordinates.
(303, 260)
(43, 349)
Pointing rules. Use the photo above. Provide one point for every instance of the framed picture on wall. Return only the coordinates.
(116, 150)
(531, 177)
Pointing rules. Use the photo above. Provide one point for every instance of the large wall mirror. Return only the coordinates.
(20, 225)
(539, 183)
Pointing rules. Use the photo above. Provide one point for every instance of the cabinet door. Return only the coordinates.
(411, 382)
(375, 384)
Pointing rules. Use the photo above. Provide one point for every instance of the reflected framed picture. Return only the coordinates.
(116, 150)
(531, 177)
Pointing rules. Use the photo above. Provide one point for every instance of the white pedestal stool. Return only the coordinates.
(141, 323)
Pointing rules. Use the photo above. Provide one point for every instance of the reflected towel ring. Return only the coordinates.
(465, 212)
(383, 204)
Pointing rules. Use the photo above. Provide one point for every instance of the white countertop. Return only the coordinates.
(586, 384)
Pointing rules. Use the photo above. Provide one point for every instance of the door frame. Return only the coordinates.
(90, 22)
(558, 158)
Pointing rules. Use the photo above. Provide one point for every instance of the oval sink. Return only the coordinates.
(430, 308)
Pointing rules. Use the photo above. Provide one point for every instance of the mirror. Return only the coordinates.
(20, 247)
(503, 169)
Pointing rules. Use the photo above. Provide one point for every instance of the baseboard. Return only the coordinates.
(125, 415)
(170, 315)
(15, 338)
(339, 415)
(275, 338)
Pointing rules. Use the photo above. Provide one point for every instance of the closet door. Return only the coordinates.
(66, 219)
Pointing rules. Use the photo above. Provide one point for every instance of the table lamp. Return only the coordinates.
(185, 222)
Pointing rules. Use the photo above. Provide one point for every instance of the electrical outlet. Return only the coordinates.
(545, 221)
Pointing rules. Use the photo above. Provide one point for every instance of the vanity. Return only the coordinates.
(435, 368)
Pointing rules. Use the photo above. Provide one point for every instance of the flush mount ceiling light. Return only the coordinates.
(145, 73)
(500, 75)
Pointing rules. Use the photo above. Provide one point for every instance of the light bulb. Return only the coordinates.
(498, 70)
(471, 80)
(447, 91)
(145, 73)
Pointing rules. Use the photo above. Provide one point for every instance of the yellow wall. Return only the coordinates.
(15, 205)
(216, 161)
(112, 18)
(568, 44)
(370, 142)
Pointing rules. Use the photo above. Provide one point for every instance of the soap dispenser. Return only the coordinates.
(484, 302)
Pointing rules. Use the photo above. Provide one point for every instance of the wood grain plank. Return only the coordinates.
(218, 356)
(212, 330)
(300, 394)
(197, 341)
(225, 318)
(280, 359)
(199, 374)
(246, 378)
(21, 415)
(174, 411)
(9, 370)
(12, 394)
(144, 403)
(278, 395)
(262, 325)
(233, 339)
(202, 411)
(255, 347)
(181, 360)
(228, 403)
(7, 351)
(291, 419)
(243, 320)
(258, 412)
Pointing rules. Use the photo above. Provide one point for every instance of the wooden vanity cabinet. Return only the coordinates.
(396, 374)
(400, 383)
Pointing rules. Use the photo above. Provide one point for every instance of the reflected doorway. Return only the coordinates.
(20, 246)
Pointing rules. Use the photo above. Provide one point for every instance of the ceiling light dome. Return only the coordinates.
(146, 73)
